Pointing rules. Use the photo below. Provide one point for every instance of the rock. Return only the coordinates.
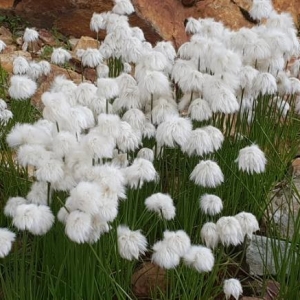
(158, 19)
(221, 10)
(8, 58)
(272, 290)
(188, 3)
(146, 279)
(73, 42)
(266, 290)
(46, 81)
(10, 49)
(86, 42)
(73, 17)
(169, 22)
(5, 4)
(6, 36)
(260, 256)
(69, 25)
(90, 74)
(47, 38)
(19, 41)
(296, 167)
(284, 206)
(292, 6)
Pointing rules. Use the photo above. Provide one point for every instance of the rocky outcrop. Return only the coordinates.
(262, 257)
(158, 19)
(8, 58)
(72, 17)
(6, 4)
(167, 16)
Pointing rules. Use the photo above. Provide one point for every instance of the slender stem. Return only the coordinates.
(57, 127)
(106, 107)
(151, 103)
(82, 71)
(48, 193)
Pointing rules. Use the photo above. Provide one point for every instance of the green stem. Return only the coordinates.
(48, 193)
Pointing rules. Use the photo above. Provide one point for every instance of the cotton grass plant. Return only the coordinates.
(171, 165)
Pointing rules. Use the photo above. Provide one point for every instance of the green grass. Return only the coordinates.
(61, 269)
(53, 267)
(14, 23)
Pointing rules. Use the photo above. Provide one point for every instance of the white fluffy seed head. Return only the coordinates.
(163, 257)
(161, 204)
(85, 197)
(264, 83)
(146, 153)
(50, 170)
(60, 56)
(110, 179)
(123, 7)
(174, 131)
(251, 160)
(261, 9)
(230, 231)
(209, 235)
(21, 87)
(199, 110)
(37, 219)
(216, 136)
(22, 134)
(98, 21)
(62, 215)
(131, 244)
(6, 239)
(207, 174)
(91, 58)
(199, 258)
(38, 193)
(78, 226)
(211, 204)
(128, 139)
(12, 204)
(2, 46)
(30, 35)
(141, 170)
(232, 287)
(20, 65)
(107, 88)
(45, 67)
(248, 223)
(199, 143)
(177, 241)
(43, 221)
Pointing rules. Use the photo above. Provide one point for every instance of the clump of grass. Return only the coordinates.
(95, 178)
(14, 23)
(46, 53)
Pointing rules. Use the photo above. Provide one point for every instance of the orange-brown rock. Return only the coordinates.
(188, 3)
(148, 279)
(292, 6)
(6, 4)
(72, 17)
(46, 81)
(9, 49)
(86, 42)
(8, 58)
(6, 36)
(167, 16)
(158, 19)
(296, 167)
(47, 37)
